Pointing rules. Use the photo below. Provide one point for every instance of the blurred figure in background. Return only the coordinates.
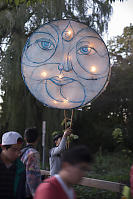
(74, 164)
(31, 159)
(131, 181)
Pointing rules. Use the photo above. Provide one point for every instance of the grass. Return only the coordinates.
(111, 167)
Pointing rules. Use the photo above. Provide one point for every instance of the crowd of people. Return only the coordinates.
(20, 176)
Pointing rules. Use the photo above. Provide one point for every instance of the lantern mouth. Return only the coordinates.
(62, 81)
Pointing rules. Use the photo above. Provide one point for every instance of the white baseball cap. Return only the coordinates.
(10, 138)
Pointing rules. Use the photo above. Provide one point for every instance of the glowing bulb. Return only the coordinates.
(93, 69)
(60, 76)
(91, 45)
(69, 32)
(44, 74)
(65, 101)
(55, 102)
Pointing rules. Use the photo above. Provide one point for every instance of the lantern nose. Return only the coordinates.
(67, 64)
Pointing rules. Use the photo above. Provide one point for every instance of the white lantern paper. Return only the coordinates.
(65, 64)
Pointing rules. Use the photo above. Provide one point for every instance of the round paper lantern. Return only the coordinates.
(65, 64)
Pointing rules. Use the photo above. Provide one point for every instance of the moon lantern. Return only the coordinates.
(65, 64)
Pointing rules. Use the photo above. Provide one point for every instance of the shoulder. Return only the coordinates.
(31, 152)
(31, 157)
(51, 182)
(48, 186)
(52, 149)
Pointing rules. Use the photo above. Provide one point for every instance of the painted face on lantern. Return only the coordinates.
(65, 64)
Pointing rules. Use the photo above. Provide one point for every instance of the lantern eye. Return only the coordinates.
(45, 44)
(86, 50)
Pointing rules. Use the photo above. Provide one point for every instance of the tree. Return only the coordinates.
(18, 19)
(121, 48)
(113, 108)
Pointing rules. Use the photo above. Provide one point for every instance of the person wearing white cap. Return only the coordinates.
(12, 170)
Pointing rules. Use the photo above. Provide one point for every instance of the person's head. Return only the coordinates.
(31, 135)
(75, 162)
(11, 146)
(57, 139)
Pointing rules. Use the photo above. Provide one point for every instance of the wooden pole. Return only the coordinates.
(99, 184)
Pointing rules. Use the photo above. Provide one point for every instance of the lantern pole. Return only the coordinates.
(66, 119)
(43, 142)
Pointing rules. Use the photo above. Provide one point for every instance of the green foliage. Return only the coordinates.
(20, 109)
(70, 138)
(19, 2)
(117, 135)
(83, 192)
(119, 139)
(113, 108)
(110, 167)
(68, 123)
(121, 48)
(73, 137)
(16, 2)
(55, 133)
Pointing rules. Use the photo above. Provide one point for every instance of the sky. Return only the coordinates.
(122, 17)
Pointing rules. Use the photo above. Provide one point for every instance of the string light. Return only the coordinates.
(63, 78)
(69, 32)
(43, 74)
(93, 69)
(65, 101)
(60, 76)
(55, 102)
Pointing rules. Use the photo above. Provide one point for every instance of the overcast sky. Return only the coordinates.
(122, 17)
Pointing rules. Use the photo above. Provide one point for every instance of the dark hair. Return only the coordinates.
(77, 155)
(19, 140)
(56, 137)
(31, 134)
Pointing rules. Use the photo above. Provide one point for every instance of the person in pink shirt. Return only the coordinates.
(74, 164)
(131, 180)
